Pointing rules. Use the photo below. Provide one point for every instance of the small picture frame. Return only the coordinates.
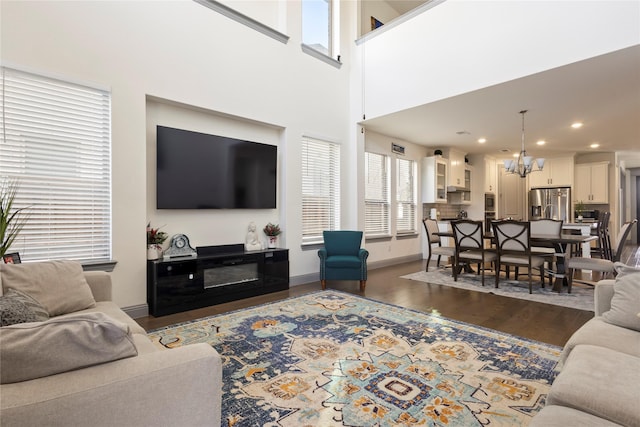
(375, 23)
(12, 258)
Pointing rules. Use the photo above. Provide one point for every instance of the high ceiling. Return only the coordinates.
(602, 92)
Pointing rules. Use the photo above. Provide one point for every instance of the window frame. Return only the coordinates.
(410, 202)
(382, 204)
(331, 56)
(324, 179)
(56, 138)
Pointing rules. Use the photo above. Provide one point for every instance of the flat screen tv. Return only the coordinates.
(201, 171)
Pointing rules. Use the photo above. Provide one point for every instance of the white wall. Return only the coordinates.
(183, 52)
(460, 45)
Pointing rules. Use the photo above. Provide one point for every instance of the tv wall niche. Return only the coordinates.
(203, 171)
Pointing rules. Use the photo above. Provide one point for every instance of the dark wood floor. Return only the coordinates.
(541, 322)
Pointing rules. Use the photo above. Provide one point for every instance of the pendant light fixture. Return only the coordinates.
(523, 165)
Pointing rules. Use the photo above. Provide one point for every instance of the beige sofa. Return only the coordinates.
(599, 381)
(155, 387)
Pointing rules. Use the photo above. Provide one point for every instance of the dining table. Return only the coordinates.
(561, 244)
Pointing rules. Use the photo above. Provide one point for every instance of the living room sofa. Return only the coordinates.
(144, 385)
(599, 380)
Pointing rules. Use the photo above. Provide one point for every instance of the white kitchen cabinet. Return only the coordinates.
(490, 177)
(466, 193)
(434, 180)
(592, 183)
(456, 169)
(557, 172)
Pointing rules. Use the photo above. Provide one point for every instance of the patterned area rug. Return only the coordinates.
(335, 359)
(581, 297)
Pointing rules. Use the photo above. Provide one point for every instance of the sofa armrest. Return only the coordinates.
(181, 386)
(100, 284)
(603, 293)
(322, 254)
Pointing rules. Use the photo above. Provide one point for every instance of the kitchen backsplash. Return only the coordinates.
(446, 210)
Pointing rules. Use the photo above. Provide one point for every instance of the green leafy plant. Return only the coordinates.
(11, 220)
(579, 207)
(155, 236)
(272, 229)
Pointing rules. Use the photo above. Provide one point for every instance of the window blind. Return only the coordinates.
(320, 189)
(56, 143)
(406, 197)
(376, 199)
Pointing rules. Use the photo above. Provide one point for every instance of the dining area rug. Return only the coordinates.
(334, 359)
(581, 297)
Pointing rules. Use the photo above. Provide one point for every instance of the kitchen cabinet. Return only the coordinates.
(490, 177)
(434, 179)
(466, 193)
(456, 169)
(557, 172)
(592, 183)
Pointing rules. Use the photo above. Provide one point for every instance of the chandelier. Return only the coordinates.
(523, 165)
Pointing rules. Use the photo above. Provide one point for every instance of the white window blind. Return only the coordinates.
(56, 142)
(320, 189)
(406, 197)
(376, 199)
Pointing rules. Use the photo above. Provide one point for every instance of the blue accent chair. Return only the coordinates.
(342, 258)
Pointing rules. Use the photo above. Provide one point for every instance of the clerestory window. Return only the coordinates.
(316, 25)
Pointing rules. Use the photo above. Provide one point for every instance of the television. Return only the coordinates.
(200, 171)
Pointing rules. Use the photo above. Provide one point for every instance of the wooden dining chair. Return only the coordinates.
(430, 227)
(469, 241)
(604, 266)
(513, 247)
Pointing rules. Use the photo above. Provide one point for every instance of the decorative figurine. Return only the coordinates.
(252, 242)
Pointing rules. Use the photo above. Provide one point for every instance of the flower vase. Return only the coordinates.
(154, 251)
(272, 242)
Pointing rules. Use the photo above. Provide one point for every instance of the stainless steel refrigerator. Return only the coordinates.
(553, 203)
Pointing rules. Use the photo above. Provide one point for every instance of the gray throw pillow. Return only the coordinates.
(625, 303)
(59, 286)
(18, 307)
(35, 350)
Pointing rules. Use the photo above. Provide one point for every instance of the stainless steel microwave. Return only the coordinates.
(489, 202)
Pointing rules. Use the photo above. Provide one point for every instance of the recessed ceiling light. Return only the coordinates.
(516, 155)
(541, 142)
(594, 145)
(482, 140)
(576, 125)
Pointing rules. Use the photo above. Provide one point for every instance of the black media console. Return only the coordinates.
(218, 274)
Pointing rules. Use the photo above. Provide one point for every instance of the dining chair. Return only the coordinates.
(547, 250)
(603, 249)
(604, 266)
(469, 241)
(513, 247)
(430, 227)
(342, 258)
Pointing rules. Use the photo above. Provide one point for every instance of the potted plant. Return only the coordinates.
(272, 231)
(155, 239)
(11, 220)
(579, 209)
